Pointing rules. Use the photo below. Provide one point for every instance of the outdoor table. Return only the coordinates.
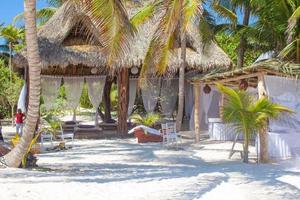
(218, 130)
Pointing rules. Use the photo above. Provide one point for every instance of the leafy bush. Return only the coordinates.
(84, 99)
(148, 120)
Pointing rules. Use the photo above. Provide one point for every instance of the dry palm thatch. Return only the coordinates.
(233, 77)
(73, 40)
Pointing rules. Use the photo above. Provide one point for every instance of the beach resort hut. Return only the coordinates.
(273, 78)
(70, 50)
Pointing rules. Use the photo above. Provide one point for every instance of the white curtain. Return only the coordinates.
(95, 88)
(189, 99)
(22, 99)
(284, 91)
(169, 94)
(206, 102)
(74, 86)
(50, 90)
(150, 93)
(132, 94)
(209, 107)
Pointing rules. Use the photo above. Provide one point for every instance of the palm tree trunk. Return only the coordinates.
(246, 148)
(10, 61)
(14, 158)
(298, 50)
(243, 41)
(181, 79)
(10, 79)
(123, 90)
(12, 115)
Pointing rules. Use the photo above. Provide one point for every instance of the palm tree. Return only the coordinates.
(228, 10)
(277, 27)
(13, 36)
(14, 158)
(247, 115)
(110, 19)
(43, 15)
(178, 16)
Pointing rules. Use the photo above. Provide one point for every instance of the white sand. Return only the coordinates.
(122, 169)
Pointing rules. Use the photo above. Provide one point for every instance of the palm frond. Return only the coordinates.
(225, 12)
(146, 13)
(42, 15)
(111, 19)
(160, 44)
(292, 24)
(288, 50)
(192, 11)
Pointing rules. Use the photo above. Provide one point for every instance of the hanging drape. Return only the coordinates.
(22, 99)
(150, 93)
(284, 91)
(189, 99)
(169, 94)
(132, 94)
(74, 86)
(50, 90)
(206, 102)
(95, 89)
(209, 107)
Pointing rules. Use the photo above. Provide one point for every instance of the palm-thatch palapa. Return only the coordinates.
(70, 45)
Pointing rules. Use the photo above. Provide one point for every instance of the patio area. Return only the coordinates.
(123, 169)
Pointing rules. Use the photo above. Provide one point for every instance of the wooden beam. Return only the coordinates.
(197, 96)
(240, 77)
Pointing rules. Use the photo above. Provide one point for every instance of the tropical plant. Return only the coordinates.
(230, 42)
(53, 122)
(14, 38)
(228, 10)
(43, 15)
(248, 115)
(11, 92)
(84, 99)
(148, 120)
(277, 26)
(177, 17)
(15, 156)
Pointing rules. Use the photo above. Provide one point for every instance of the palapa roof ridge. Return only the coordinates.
(273, 66)
(53, 53)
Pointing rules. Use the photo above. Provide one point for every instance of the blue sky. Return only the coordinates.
(10, 8)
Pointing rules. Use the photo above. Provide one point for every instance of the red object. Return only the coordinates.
(142, 137)
(19, 118)
(243, 85)
(207, 89)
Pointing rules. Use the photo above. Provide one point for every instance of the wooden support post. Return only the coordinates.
(263, 136)
(221, 106)
(123, 91)
(197, 92)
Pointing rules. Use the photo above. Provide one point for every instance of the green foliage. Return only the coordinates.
(9, 91)
(84, 99)
(229, 43)
(12, 90)
(59, 107)
(149, 120)
(246, 114)
(114, 97)
(53, 122)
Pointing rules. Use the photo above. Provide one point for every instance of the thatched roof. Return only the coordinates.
(233, 77)
(57, 49)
